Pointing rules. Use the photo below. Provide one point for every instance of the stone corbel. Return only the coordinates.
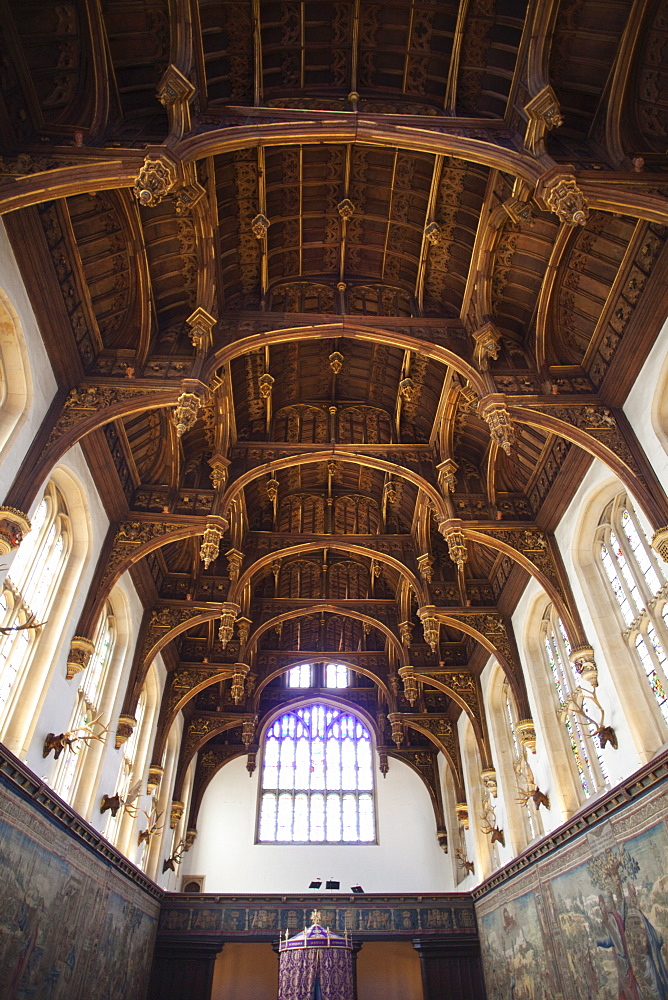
(124, 730)
(78, 658)
(526, 732)
(176, 813)
(659, 542)
(14, 526)
(155, 773)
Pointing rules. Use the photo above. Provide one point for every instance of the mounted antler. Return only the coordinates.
(464, 861)
(169, 864)
(152, 828)
(575, 702)
(527, 787)
(489, 827)
(116, 802)
(73, 737)
(29, 623)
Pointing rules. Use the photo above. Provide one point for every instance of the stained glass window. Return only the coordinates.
(87, 706)
(29, 590)
(317, 779)
(589, 760)
(519, 754)
(638, 581)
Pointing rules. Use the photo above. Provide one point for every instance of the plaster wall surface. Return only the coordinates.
(407, 857)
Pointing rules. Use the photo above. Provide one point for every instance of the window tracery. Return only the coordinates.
(589, 760)
(637, 581)
(28, 593)
(317, 779)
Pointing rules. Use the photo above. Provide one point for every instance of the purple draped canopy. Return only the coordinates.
(316, 965)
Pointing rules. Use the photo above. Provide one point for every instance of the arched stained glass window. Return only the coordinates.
(637, 580)
(317, 779)
(588, 757)
(532, 820)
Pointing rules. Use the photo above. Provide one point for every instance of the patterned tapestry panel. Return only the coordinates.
(70, 925)
(589, 921)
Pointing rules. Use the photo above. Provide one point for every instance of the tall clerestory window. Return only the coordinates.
(317, 779)
(588, 758)
(88, 704)
(28, 593)
(637, 579)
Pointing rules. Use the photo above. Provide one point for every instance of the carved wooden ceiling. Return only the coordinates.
(343, 297)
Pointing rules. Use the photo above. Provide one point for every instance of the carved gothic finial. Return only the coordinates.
(407, 389)
(336, 361)
(78, 658)
(487, 345)
(560, 193)
(447, 480)
(266, 384)
(451, 529)
(494, 411)
(406, 633)
(397, 728)
(430, 625)
(228, 616)
(174, 87)
(240, 671)
(407, 675)
(14, 526)
(187, 197)
(156, 179)
(526, 732)
(210, 546)
(260, 226)
(544, 113)
(201, 325)
(433, 233)
(518, 211)
(248, 731)
(124, 729)
(219, 465)
(272, 490)
(425, 565)
(346, 209)
(185, 412)
(234, 561)
(243, 629)
(383, 762)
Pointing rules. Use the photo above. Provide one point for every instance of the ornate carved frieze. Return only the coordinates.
(130, 536)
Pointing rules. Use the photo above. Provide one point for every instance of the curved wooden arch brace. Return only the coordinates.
(333, 657)
(73, 420)
(82, 174)
(477, 723)
(171, 708)
(628, 197)
(348, 328)
(514, 674)
(316, 609)
(453, 764)
(334, 454)
(360, 550)
(548, 289)
(653, 501)
(118, 562)
(190, 747)
(555, 595)
(540, 45)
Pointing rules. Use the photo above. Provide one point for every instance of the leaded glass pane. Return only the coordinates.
(320, 759)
